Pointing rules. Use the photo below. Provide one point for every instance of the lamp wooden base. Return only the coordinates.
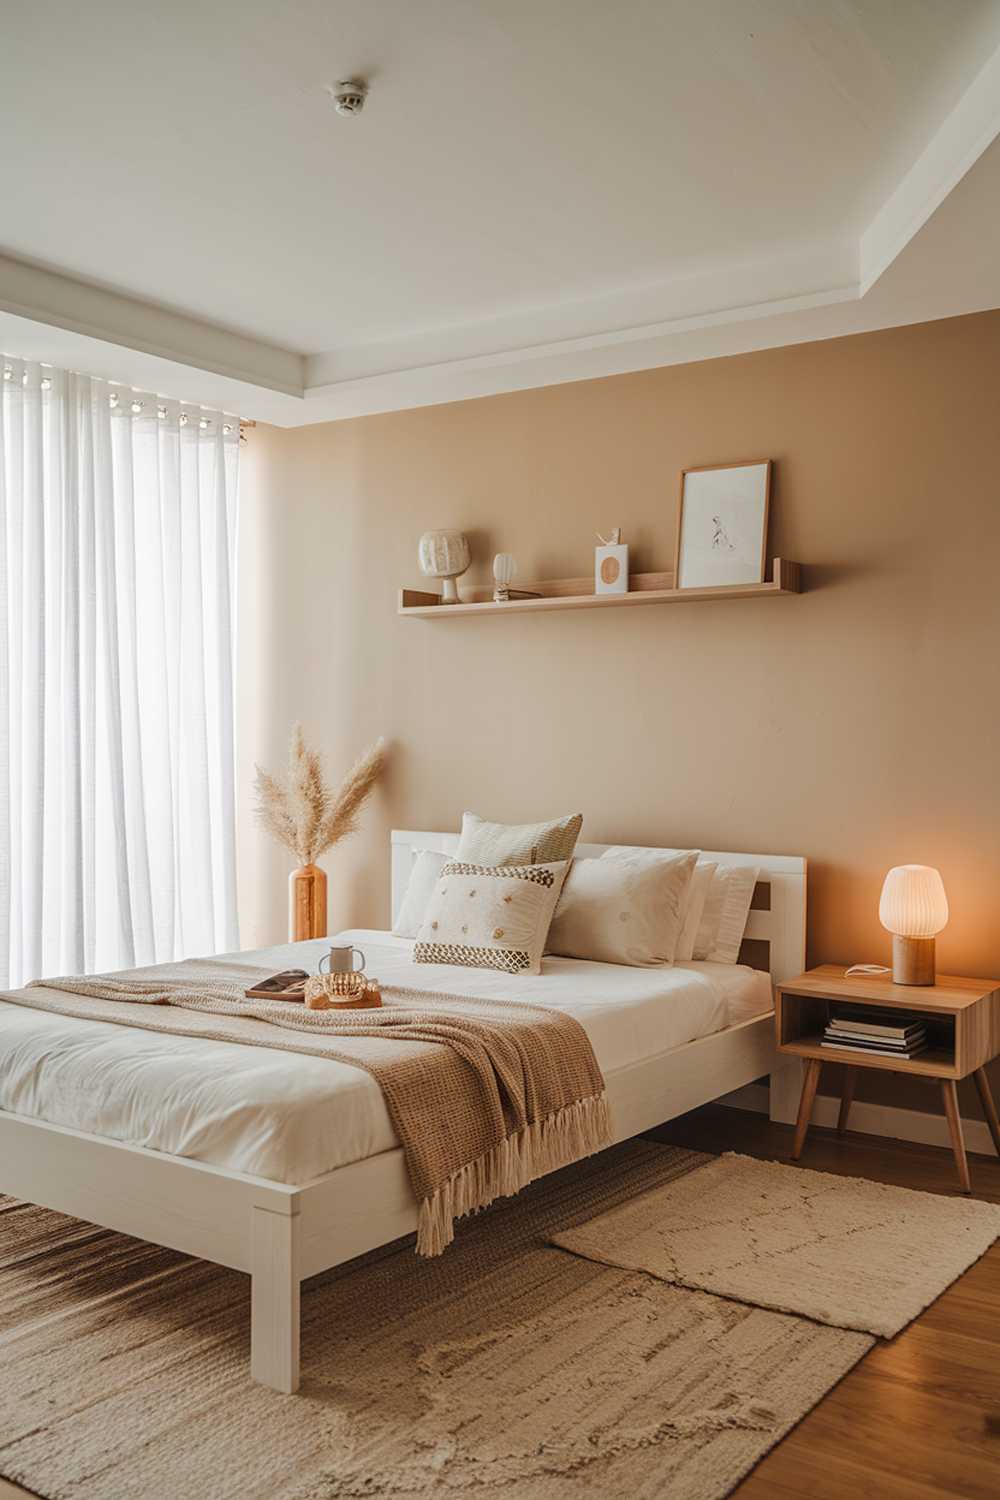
(306, 904)
(912, 960)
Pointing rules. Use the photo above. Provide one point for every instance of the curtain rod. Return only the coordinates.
(113, 396)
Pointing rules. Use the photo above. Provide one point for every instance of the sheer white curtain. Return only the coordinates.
(117, 541)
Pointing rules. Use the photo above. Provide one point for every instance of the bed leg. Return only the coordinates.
(274, 1300)
(786, 1091)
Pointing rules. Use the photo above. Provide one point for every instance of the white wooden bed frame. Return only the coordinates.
(282, 1234)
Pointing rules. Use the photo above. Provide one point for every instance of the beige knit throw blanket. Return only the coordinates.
(484, 1095)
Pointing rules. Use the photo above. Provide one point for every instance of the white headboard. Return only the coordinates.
(778, 919)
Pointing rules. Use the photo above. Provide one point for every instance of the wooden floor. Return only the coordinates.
(919, 1418)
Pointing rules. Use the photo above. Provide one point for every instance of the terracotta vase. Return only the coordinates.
(306, 904)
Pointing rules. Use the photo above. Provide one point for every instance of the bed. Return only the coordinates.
(282, 1165)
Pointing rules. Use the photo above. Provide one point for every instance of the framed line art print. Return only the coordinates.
(722, 524)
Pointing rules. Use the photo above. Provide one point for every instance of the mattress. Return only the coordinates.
(289, 1117)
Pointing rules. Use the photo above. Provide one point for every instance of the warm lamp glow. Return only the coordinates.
(913, 903)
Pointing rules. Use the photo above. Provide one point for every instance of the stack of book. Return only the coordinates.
(883, 1033)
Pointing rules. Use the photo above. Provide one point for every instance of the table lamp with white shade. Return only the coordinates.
(914, 908)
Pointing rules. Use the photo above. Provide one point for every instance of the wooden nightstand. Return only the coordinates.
(961, 1016)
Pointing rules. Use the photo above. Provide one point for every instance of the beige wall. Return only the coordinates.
(857, 725)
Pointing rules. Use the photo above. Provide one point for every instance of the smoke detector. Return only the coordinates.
(349, 96)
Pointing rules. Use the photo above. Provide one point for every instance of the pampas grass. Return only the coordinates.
(302, 812)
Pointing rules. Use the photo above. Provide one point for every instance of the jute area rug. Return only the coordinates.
(507, 1367)
(839, 1250)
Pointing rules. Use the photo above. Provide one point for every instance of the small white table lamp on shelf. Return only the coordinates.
(914, 908)
(445, 555)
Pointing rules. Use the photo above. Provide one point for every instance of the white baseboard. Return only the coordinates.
(874, 1119)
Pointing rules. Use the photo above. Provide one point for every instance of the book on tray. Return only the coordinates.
(882, 1033)
(290, 984)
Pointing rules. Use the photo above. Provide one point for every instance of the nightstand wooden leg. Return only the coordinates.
(846, 1098)
(950, 1096)
(989, 1108)
(805, 1106)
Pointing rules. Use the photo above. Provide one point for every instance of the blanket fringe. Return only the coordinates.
(543, 1146)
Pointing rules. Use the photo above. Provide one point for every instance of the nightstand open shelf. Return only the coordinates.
(961, 1018)
(804, 1017)
(935, 1062)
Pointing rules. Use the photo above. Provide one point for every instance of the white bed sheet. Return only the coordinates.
(289, 1117)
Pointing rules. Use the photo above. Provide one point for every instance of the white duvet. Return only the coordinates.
(288, 1117)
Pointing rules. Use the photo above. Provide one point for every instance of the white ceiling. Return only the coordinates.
(532, 181)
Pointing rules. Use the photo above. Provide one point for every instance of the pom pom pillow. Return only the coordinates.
(490, 916)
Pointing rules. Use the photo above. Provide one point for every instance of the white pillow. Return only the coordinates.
(626, 910)
(424, 875)
(615, 851)
(490, 916)
(698, 890)
(727, 908)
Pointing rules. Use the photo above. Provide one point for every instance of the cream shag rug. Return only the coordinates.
(842, 1251)
(505, 1368)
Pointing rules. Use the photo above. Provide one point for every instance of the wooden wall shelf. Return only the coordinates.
(578, 593)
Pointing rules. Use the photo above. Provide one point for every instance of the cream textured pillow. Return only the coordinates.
(425, 872)
(626, 910)
(724, 919)
(484, 843)
(490, 916)
(694, 901)
(698, 890)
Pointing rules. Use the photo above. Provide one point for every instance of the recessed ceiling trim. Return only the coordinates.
(968, 131)
(797, 293)
(644, 333)
(790, 277)
(48, 297)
